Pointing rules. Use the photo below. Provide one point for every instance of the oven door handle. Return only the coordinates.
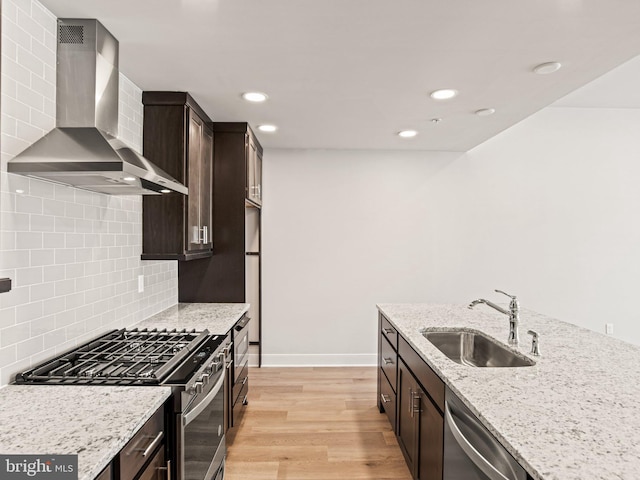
(189, 416)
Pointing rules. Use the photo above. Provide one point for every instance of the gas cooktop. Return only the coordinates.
(120, 357)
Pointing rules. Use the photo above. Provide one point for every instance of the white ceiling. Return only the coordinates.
(349, 74)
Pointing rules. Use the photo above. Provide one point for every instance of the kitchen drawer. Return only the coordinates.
(142, 446)
(240, 405)
(156, 469)
(429, 380)
(389, 331)
(242, 380)
(388, 362)
(388, 399)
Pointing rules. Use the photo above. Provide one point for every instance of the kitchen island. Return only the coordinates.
(572, 416)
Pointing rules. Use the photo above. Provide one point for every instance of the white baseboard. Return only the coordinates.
(316, 360)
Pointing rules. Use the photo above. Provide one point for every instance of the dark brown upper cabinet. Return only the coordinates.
(178, 137)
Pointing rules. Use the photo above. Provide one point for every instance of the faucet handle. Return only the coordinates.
(512, 297)
(535, 350)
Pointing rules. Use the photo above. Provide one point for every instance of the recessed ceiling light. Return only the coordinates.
(546, 68)
(19, 190)
(267, 128)
(436, 120)
(129, 179)
(485, 112)
(444, 94)
(407, 133)
(164, 190)
(255, 97)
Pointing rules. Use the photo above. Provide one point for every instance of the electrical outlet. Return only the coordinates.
(608, 328)
(140, 283)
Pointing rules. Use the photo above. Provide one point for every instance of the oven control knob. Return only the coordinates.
(204, 378)
(197, 387)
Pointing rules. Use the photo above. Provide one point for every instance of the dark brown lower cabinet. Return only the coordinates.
(419, 423)
(420, 428)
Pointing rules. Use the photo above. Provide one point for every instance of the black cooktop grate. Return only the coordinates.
(119, 357)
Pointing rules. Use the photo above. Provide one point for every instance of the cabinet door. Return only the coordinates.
(206, 187)
(407, 421)
(258, 174)
(252, 162)
(431, 440)
(194, 165)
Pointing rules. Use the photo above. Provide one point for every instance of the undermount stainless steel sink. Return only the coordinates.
(474, 348)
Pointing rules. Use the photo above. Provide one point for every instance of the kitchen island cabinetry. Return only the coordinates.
(179, 139)
(412, 396)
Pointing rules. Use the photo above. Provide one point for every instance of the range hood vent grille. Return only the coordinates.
(71, 34)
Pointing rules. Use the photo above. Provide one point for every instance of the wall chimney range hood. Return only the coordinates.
(83, 150)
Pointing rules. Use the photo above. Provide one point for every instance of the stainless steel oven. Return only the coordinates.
(202, 430)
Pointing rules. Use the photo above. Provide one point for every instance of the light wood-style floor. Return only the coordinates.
(314, 424)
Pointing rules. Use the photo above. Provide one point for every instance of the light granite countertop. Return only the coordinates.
(97, 421)
(94, 422)
(218, 318)
(575, 415)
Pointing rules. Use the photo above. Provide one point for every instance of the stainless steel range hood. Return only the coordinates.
(83, 150)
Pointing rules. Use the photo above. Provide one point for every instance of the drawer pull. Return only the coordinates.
(385, 398)
(152, 446)
(245, 380)
(388, 361)
(245, 401)
(388, 331)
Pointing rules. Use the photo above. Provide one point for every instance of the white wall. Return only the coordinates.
(73, 255)
(547, 210)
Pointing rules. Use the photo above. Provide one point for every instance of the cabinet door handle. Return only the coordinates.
(167, 468)
(388, 361)
(413, 396)
(388, 331)
(205, 235)
(411, 401)
(385, 398)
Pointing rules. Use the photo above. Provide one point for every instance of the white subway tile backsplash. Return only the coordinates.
(28, 240)
(41, 223)
(42, 258)
(53, 240)
(43, 326)
(29, 311)
(74, 255)
(28, 204)
(14, 334)
(28, 276)
(30, 347)
(65, 255)
(41, 291)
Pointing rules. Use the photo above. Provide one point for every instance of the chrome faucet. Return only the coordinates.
(513, 313)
